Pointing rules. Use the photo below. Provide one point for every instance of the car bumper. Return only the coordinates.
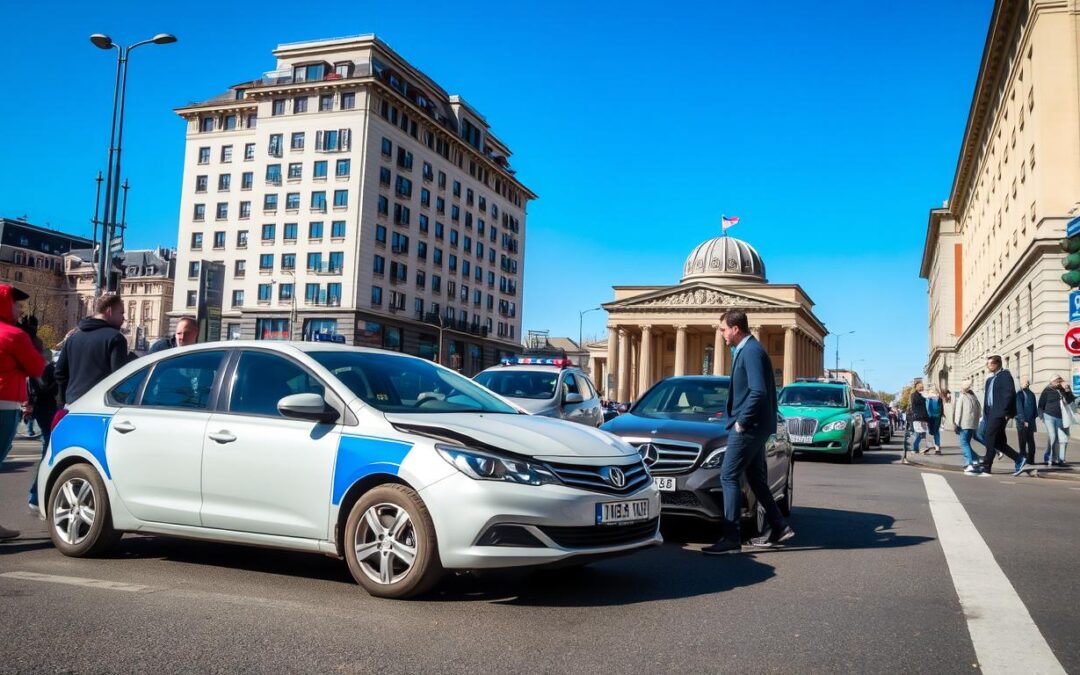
(829, 447)
(485, 524)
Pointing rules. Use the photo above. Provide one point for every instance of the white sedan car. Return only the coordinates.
(401, 466)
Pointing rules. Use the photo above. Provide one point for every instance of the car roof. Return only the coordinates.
(280, 346)
(530, 368)
(816, 384)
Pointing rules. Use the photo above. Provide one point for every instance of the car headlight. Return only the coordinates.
(715, 458)
(838, 425)
(484, 466)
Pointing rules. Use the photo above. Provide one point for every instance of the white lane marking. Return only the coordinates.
(990, 603)
(78, 581)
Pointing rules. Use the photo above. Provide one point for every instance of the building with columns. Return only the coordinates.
(660, 331)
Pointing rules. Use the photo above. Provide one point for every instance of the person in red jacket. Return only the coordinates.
(19, 359)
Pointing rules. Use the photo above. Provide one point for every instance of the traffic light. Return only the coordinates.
(1071, 262)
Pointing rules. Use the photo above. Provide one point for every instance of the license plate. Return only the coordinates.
(805, 440)
(622, 512)
(664, 483)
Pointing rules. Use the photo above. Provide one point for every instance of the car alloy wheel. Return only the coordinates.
(789, 489)
(385, 543)
(74, 511)
(390, 543)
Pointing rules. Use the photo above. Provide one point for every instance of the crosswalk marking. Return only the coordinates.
(990, 603)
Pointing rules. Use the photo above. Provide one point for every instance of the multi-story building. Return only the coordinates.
(991, 256)
(32, 258)
(145, 283)
(347, 193)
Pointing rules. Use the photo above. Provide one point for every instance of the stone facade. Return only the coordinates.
(660, 331)
(991, 257)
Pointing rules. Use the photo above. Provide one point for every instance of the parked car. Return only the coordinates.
(400, 466)
(824, 417)
(550, 387)
(881, 424)
(680, 430)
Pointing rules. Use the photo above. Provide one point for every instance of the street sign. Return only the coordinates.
(1072, 341)
(1073, 227)
(1074, 306)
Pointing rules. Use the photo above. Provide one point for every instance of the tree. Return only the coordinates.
(885, 397)
(904, 401)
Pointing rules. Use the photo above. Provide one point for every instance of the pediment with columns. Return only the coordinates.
(695, 296)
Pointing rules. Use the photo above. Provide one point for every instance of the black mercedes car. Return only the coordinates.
(680, 429)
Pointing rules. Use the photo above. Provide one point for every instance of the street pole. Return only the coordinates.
(838, 336)
(97, 215)
(581, 319)
(116, 135)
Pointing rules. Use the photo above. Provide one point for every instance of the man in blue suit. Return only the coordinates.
(999, 406)
(751, 411)
(1027, 411)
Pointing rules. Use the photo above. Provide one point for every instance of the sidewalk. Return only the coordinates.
(952, 459)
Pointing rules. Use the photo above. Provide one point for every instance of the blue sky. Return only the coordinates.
(830, 128)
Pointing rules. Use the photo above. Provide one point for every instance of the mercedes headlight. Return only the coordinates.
(838, 425)
(484, 466)
(715, 458)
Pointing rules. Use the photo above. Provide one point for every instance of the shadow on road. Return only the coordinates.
(887, 455)
(17, 465)
(21, 545)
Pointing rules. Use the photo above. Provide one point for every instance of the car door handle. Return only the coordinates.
(124, 427)
(223, 437)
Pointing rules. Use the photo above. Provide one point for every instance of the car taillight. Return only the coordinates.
(57, 417)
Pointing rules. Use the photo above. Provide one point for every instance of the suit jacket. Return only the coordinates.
(752, 400)
(1004, 398)
(1027, 409)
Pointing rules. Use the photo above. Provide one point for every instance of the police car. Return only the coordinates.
(551, 387)
(400, 466)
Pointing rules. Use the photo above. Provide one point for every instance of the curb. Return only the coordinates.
(1049, 475)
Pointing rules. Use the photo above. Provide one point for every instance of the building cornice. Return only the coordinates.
(933, 229)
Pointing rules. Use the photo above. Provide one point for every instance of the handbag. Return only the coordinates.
(1067, 416)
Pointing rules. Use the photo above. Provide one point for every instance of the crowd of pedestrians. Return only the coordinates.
(986, 423)
(33, 388)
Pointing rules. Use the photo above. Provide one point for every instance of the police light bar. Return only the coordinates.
(536, 361)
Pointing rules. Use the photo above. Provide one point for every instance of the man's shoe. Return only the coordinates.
(970, 469)
(723, 547)
(773, 539)
(1020, 466)
(6, 534)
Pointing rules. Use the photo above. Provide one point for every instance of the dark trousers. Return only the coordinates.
(996, 441)
(746, 455)
(1027, 440)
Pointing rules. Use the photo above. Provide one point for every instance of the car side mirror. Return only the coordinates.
(622, 407)
(571, 398)
(307, 407)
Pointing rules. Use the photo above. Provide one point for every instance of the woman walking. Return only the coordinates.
(966, 416)
(935, 409)
(1055, 406)
(919, 417)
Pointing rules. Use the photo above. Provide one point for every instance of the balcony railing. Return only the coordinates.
(324, 268)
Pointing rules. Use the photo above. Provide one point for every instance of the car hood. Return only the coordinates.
(538, 437)
(815, 412)
(629, 425)
(536, 406)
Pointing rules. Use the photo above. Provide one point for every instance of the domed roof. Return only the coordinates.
(724, 258)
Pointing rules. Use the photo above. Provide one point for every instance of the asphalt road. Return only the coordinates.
(864, 587)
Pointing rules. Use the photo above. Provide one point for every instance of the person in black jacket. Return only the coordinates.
(1026, 414)
(187, 333)
(1057, 430)
(999, 406)
(41, 399)
(97, 349)
(920, 418)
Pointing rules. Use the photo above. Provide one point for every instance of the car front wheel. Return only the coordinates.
(390, 543)
(789, 489)
(80, 524)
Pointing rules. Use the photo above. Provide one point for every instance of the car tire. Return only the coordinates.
(83, 527)
(787, 500)
(864, 445)
(390, 524)
(849, 456)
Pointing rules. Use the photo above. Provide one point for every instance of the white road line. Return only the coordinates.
(1005, 638)
(78, 581)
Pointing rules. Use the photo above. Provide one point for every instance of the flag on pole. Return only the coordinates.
(726, 222)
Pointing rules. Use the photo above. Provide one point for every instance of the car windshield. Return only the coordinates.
(685, 399)
(828, 397)
(520, 383)
(401, 384)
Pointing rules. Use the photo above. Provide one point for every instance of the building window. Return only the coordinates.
(266, 262)
(206, 124)
(288, 261)
(296, 141)
(288, 232)
(229, 122)
(401, 214)
(423, 223)
(196, 241)
(237, 298)
(275, 145)
(342, 168)
(268, 232)
(319, 170)
(337, 229)
(315, 230)
(336, 262)
(326, 102)
(247, 180)
(222, 211)
(296, 170)
(273, 174)
(249, 151)
(348, 100)
(277, 107)
(314, 262)
(376, 295)
(204, 155)
(399, 243)
(384, 176)
(245, 210)
(285, 292)
(341, 198)
(226, 154)
(379, 264)
(403, 188)
(387, 148)
(380, 234)
(200, 183)
(240, 268)
(191, 298)
(318, 201)
(383, 206)
(299, 105)
(265, 292)
(292, 201)
(219, 240)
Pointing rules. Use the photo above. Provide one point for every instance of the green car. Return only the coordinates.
(824, 417)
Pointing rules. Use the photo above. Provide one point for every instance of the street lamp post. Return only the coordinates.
(116, 137)
(838, 336)
(580, 323)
